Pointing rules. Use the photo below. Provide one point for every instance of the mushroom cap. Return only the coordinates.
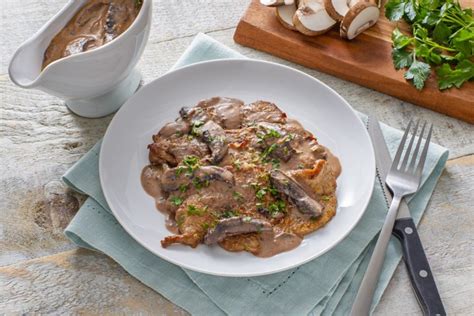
(285, 15)
(360, 17)
(336, 8)
(311, 18)
(277, 3)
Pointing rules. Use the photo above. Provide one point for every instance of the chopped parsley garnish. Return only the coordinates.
(276, 163)
(176, 200)
(261, 193)
(183, 187)
(205, 226)
(199, 183)
(301, 166)
(180, 220)
(273, 133)
(193, 210)
(237, 196)
(270, 133)
(229, 213)
(191, 163)
(325, 197)
(273, 191)
(279, 206)
(268, 151)
(247, 219)
(195, 131)
(237, 164)
(180, 170)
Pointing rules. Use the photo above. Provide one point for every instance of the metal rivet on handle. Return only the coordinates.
(423, 273)
(408, 230)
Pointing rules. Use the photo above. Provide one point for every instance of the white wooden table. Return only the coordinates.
(42, 272)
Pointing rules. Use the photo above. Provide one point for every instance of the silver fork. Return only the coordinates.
(403, 179)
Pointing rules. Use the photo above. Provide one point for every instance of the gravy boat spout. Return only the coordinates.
(93, 83)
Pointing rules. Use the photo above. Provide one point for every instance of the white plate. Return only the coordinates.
(319, 108)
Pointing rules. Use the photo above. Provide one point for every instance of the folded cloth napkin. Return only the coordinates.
(326, 285)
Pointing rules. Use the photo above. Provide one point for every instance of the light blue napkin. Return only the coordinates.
(327, 285)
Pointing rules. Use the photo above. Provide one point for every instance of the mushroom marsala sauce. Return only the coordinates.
(242, 176)
(95, 24)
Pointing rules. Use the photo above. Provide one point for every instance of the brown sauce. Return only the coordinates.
(218, 198)
(272, 244)
(95, 24)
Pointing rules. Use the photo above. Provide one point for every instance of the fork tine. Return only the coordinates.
(421, 164)
(396, 160)
(410, 145)
(411, 167)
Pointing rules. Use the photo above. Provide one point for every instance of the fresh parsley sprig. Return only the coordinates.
(442, 38)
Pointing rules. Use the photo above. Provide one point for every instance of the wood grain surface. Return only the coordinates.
(365, 60)
(41, 271)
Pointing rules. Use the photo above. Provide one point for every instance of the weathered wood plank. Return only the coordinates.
(77, 282)
(171, 19)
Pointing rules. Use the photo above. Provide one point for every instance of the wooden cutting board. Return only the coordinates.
(365, 60)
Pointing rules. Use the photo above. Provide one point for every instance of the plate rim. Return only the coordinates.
(370, 156)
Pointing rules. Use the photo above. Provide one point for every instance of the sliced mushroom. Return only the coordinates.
(236, 226)
(285, 15)
(282, 147)
(276, 3)
(172, 179)
(216, 101)
(311, 18)
(179, 127)
(295, 193)
(193, 115)
(262, 111)
(214, 173)
(228, 113)
(337, 9)
(79, 45)
(283, 151)
(214, 136)
(359, 18)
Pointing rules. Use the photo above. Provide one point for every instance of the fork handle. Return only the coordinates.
(418, 267)
(363, 300)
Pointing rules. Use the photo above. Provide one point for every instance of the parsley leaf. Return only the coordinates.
(229, 213)
(401, 58)
(443, 39)
(410, 10)
(394, 10)
(418, 73)
(448, 77)
(399, 39)
(441, 33)
(195, 211)
(176, 200)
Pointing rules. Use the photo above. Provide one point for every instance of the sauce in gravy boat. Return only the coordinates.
(93, 83)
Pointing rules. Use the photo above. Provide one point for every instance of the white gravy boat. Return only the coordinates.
(94, 83)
